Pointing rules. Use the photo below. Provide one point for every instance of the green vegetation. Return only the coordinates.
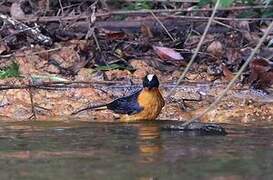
(223, 3)
(245, 14)
(139, 5)
(113, 66)
(10, 71)
(227, 3)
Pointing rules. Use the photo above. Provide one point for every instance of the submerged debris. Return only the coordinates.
(198, 128)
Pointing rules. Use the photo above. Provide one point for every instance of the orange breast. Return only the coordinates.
(151, 101)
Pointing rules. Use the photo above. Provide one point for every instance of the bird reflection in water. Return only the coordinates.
(149, 142)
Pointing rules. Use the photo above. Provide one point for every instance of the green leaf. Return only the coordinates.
(226, 3)
(10, 71)
(268, 13)
(112, 67)
(139, 5)
(248, 14)
(204, 2)
(223, 3)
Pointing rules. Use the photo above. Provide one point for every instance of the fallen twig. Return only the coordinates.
(30, 90)
(201, 18)
(31, 32)
(197, 49)
(30, 54)
(162, 25)
(123, 12)
(219, 98)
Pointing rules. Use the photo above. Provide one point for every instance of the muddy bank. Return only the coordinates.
(53, 64)
(240, 105)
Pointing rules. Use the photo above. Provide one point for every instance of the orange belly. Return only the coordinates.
(151, 101)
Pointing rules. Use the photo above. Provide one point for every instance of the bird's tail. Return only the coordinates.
(96, 107)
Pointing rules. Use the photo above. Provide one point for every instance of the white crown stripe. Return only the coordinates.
(150, 77)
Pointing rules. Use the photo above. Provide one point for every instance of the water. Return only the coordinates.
(51, 150)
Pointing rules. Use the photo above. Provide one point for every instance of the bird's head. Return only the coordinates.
(150, 81)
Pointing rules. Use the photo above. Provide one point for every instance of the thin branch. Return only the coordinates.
(197, 49)
(104, 4)
(61, 5)
(33, 33)
(219, 98)
(227, 26)
(61, 85)
(30, 90)
(162, 25)
(144, 11)
(30, 54)
(200, 18)
(122, 12)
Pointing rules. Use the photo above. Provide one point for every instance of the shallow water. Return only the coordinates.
(51, 150)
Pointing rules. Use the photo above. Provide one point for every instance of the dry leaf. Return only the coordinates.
(234, 56)
(16, 11)
(216, 48)
(3, 48)
(167, 53)
(244, 25)
(261, 75)
(114, 35)
(146, 31)
(228, 75)
(252, 37)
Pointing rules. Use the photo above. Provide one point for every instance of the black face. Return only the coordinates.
(150, 81)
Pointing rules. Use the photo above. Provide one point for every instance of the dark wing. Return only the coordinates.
(126, 105)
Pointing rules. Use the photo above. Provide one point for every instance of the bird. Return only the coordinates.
(144, 104)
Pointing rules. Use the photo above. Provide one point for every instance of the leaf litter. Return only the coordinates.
(81, 53)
